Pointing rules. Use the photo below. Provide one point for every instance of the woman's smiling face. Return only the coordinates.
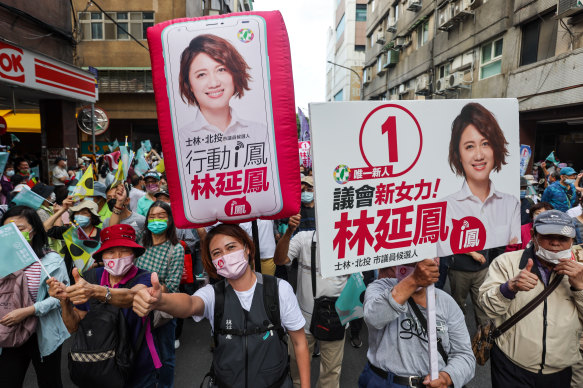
(476, 154)
(210, 82)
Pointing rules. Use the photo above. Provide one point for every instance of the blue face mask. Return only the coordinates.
(157, 226)
(569, 181)
(307, 197)
(83, 221)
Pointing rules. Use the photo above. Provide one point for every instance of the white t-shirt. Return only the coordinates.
(291, 319)
(59, 173)
(300, 249)
(266, 237)
(500, 214)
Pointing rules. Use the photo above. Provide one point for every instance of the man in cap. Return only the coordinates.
(562, 194)
(152, 179)
(307, 211)
(100, 198)
(540, 349)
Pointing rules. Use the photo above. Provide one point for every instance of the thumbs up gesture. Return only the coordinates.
(81, 291)
(525, 280)
(147, 299)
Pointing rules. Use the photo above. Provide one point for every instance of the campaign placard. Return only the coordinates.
(224, 95)
(398, 182)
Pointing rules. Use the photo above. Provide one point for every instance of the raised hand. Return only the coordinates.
(426, 273)
(57, 289)
(81, 291)
(147, 299)
(294, 222)
(525, 280)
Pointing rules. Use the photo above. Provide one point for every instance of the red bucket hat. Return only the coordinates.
(121, 235)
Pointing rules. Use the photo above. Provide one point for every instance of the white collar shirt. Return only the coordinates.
(499, 213)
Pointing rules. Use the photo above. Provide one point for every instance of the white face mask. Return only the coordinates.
(552, 257)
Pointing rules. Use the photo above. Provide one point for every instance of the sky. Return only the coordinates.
(307, 23)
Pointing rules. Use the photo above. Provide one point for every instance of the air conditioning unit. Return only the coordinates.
(380, 37)
(392, 25)
(381, 68)
(459, 10)
(567, 8)
(403, 89)
(440, 86)
(444, 21)
(422, 85)
(408, 41)
(473, 4)
(399, 41)
(455, 80)
(392, 58)
(413, 5)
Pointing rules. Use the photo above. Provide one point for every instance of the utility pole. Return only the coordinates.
(358, 75)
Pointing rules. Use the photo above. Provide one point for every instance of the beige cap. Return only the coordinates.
(86, 204)
(309, 180)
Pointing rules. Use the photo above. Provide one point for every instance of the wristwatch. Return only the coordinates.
(107, 295)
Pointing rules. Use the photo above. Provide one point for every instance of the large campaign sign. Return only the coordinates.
(224, 95)
(398, 182)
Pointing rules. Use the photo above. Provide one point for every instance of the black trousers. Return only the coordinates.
(14, 363)
(507, 374)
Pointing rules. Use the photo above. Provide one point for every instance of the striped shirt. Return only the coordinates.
(32, 273)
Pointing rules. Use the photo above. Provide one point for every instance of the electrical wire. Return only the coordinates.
(118, 25)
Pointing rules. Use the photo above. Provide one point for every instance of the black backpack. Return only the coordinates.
(102, 353)
(270, 304)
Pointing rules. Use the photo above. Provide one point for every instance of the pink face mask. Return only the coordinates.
(402, 271)
(232, 265)
(118, 267)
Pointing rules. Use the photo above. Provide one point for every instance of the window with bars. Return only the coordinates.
(125, 81)
(97, 26)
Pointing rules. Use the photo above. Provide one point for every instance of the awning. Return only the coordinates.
(22, 122)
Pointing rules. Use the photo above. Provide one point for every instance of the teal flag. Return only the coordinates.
(114, 145)
(28, 198)
(147, 145)
(35, 172)
(348, 304)
(141, 165)
(552, 158)
(13, 138)
(3, 160)
(15, 251)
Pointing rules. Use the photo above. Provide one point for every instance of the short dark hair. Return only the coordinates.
(485, 122)
(136, 180)
(538, 206)
(147, 241)
(40, 241)
(232, 230)
(222, 51)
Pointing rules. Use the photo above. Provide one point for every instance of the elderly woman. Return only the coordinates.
(115, 283)
(249, 350)
(43, 348)
(398, 344)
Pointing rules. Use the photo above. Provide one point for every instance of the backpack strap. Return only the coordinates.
(271, 303)
(219, 288)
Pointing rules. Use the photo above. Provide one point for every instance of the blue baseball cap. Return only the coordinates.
(568, 171)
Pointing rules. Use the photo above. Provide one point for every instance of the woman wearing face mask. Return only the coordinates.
(43, 348)
(6, 185)
(165, 256)
(396, 338)
(85, 215)
(259, 357)
(152, 179)
(115, 283)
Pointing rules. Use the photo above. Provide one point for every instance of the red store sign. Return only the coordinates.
(22, 67)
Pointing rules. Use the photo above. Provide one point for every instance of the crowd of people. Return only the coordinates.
(260, 287)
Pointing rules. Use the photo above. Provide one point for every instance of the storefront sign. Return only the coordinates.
(26, 68)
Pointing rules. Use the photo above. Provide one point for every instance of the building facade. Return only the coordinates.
(529, 50)
(112, 37)
(40, 87)
(345, 51)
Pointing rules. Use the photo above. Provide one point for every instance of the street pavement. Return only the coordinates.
(193, 359)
